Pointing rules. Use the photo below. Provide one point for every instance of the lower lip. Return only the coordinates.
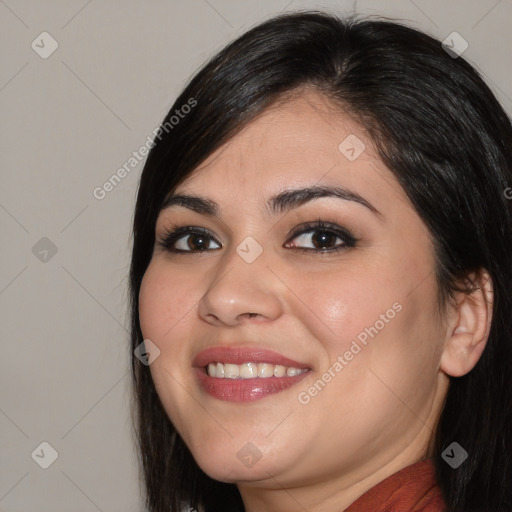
(245, 390)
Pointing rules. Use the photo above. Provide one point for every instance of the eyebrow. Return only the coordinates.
(279, 203)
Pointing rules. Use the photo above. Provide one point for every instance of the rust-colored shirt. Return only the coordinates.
(412, 489)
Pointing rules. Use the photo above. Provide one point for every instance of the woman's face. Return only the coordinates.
(339, 321)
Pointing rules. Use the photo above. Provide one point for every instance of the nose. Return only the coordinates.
(239, 290)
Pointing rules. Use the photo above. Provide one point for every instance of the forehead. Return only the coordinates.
(300, 142)
(294, 139)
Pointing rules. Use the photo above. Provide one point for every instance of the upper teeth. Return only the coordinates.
(251, 370)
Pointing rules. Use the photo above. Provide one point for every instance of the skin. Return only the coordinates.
(378, 414)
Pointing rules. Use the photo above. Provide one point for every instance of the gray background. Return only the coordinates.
(69, 121)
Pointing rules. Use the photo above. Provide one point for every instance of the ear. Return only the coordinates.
(468, 326)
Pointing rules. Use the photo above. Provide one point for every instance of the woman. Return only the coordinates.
(321, 277)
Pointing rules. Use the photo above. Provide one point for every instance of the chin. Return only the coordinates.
(236, 461)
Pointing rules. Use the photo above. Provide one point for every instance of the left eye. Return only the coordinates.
(319, 238)
(321, 234)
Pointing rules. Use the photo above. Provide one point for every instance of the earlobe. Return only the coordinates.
(468, 327)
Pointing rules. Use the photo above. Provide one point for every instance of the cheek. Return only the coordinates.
(338, 306)
(152, 301)
(371, 319)
(163, 305)
(164, 299)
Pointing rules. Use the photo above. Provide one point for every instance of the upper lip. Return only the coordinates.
(240, 355)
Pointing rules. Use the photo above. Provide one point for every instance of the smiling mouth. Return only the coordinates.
(251, 370)
(244, 374)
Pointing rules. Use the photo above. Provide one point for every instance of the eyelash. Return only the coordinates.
(175, 233)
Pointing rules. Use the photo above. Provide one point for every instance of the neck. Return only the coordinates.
(336, 494)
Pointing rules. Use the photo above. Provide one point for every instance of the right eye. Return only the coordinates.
(186, 239)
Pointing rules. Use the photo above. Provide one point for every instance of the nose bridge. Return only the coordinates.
(242, 285)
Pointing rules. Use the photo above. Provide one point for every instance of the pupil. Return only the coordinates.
(201, 239)
(323, 238)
